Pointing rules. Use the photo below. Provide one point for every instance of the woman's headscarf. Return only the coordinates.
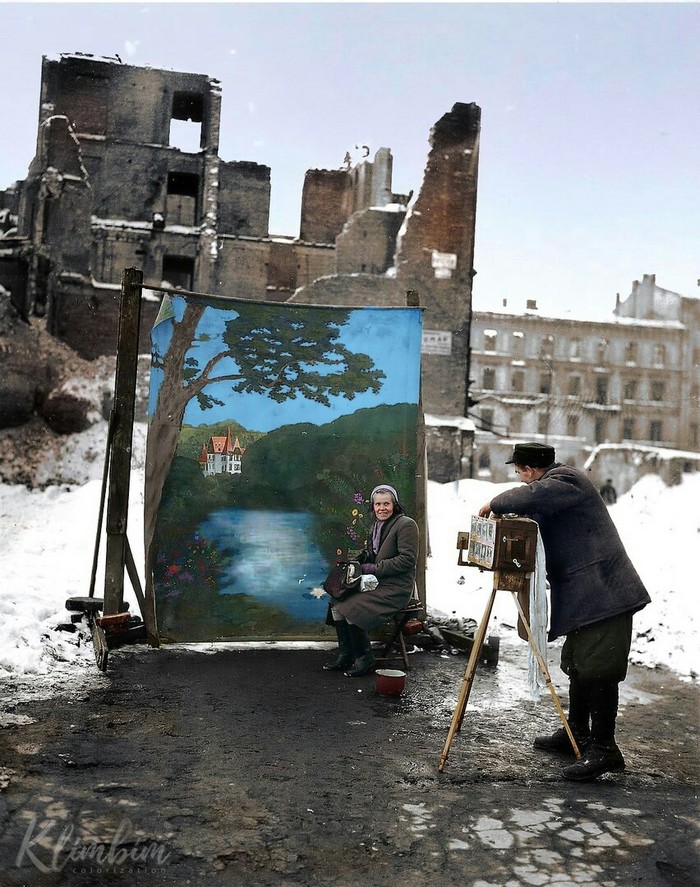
(384, 488)
(377, 526)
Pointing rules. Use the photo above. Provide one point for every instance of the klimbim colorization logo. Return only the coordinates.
(50, 850)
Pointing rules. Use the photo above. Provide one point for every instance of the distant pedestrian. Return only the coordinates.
(595, 590)
(608, 492)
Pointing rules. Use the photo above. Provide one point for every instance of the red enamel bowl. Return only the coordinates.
(390, 681)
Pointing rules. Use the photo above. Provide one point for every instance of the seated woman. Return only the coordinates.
(391, 555)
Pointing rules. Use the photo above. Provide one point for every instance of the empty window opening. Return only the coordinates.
(657, 389)
(186, 122)
(601, 430)
(183, 197)
(601, 389)
(572, 426)
(489, 379)
(487, 419)
(178, 271)
(631, 389)
(547, 346)
(484, 460)
(601, 350)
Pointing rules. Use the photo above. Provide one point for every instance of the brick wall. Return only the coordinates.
(367, 243)
(244, 199)
(326, 203)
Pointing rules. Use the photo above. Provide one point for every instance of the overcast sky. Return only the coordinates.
(588, 173)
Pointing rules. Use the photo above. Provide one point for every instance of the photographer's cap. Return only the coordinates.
(536, 455)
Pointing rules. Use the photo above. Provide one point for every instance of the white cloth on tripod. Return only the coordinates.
(538, 622)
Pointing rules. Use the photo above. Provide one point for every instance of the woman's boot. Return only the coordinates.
(346, 656)
(362, 648)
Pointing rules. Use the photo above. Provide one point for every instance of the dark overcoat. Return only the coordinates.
(590, 575)
(395, 564)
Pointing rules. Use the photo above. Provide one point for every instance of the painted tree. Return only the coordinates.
(281, 351)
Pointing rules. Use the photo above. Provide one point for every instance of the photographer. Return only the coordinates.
(595, 589)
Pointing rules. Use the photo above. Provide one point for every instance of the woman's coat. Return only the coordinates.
(590, 575)
(395, 565)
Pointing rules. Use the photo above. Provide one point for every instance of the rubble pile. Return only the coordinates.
(47, 391)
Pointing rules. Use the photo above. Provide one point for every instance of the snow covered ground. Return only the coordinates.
(48, 540)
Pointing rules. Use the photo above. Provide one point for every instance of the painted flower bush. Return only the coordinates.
(193, 563)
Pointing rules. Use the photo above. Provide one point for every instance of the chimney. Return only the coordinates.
(531, 305)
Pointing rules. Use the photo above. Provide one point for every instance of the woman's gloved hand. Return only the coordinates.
(368, 569)
(368, 583)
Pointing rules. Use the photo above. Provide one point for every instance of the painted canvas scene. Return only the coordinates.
(269, 425)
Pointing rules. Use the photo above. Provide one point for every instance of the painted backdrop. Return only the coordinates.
(269, 424)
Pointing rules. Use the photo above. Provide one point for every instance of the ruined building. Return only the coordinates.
(108, 189)
(619, 397)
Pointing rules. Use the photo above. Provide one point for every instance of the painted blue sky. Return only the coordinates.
(588, 169)
(390, 336)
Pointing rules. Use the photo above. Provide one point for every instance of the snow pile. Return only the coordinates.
(48, 540)
(46, 556)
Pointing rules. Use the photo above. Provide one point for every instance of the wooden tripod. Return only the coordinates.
(500, 579)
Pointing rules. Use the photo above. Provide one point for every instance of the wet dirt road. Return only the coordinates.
(258, 768)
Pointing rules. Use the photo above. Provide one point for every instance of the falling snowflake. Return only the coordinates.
(317, 592)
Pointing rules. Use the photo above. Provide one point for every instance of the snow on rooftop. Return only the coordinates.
(460, 422)
(644, 450)
(612, 321)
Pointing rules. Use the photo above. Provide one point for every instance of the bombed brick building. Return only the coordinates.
(127, 173)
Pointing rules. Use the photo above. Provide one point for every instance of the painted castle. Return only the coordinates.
(221, 455)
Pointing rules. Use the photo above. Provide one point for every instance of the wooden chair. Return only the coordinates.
(413, 610)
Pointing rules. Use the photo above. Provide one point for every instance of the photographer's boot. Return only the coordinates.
(579, 715)
(362, 648)
(602, 755)
(346, 656)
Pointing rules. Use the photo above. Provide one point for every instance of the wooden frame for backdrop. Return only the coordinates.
(169, 570)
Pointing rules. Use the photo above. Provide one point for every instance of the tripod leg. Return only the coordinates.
(548, 680)
(467, 681)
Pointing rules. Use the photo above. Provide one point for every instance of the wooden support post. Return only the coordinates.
(120, 457)
(413, 301)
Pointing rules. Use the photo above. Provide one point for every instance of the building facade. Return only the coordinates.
(127, 174)
(583, 386)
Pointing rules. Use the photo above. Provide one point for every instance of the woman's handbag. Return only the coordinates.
(343, 580)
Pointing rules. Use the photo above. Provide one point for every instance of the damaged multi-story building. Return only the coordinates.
(110, 189)
(620, 397)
